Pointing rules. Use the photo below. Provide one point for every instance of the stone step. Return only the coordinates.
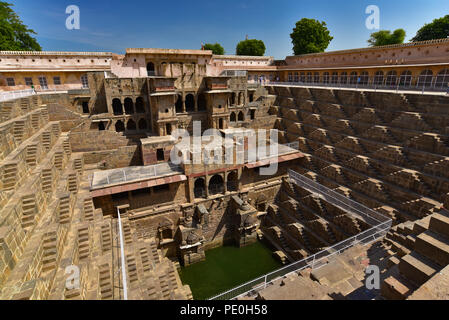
(433, 246)
(417, 268)
(439, 224)
(396, 288)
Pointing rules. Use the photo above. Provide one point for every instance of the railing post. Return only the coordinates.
(266, 279)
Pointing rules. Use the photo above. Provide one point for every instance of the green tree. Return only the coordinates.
(14, 35)
(310, 36)
(251, 47)
(437, 29)
(385, 37)
(216, 48)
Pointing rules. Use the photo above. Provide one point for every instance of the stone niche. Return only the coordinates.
(190, 245)
(246, 222)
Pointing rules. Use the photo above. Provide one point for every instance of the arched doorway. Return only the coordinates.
(233, 117)
(140, 105)
(178, 104)
(353, 77)
(117, 107)
(168, 129)
(150, 69)
(425, 78)
(216, 185)
(129, 106)
(200, 188)
(190, 103)
(334, 78)
(119, 126)
(142, 124)
(364, 78)
(233, 181)
(241, 117)
(343, 78)
(392, 78)
(316, 77)
(221, 124)
(405, 79)
(326, 77)
(202, 104)
(442, 79)
(131, 126)
(379, 78)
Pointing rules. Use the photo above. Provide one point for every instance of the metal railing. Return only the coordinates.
(122, 254)
(422, 84)
(381, 227)
(11, 95)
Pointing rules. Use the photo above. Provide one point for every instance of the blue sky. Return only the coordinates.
(113, 25)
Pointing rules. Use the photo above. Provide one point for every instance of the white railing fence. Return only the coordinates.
(11, 95)
(381, 226)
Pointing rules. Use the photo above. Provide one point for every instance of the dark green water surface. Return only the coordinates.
(227, 267)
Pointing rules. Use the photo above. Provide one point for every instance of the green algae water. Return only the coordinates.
(228, 267)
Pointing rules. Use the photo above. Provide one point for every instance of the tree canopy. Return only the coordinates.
(251, 47)
(14, 35)
(385, 37)
(310, 36)
(216, 48)
(437, 29)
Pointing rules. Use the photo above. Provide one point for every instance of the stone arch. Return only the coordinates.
(131, 126)
(406, 78)
(190, 103)
(140, 105)
(216, 185)
(233, 117)
(425, 78)
(241, 116)
(364, 78)
(129, 106)
(442, 79)
(379, 78)
(344, 77)
(143, 124)
(119, 126)
(117, 107)
(200, 188)
(233, 181)
(353, 77)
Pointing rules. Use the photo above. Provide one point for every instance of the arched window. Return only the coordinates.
(392, 78)
(216, 185)
(425, 78)
(178, 104)
(405, 79)
(140, 105)
(442, 79)
(117, 107)
(131, 126)
(241, 117)
(233, 181)
(119, 126)
(168, 129)
(150, 69)
(353, 77)
(190, 103)
(343, 78)
(233, 99)
(129, 106)
(364, 78)
(84, 81)
(326, 77)
(200, 188)
(379, 78)
(316, 77)
(302, 77)
(290, 77)
(233, 117)
(142, 124)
